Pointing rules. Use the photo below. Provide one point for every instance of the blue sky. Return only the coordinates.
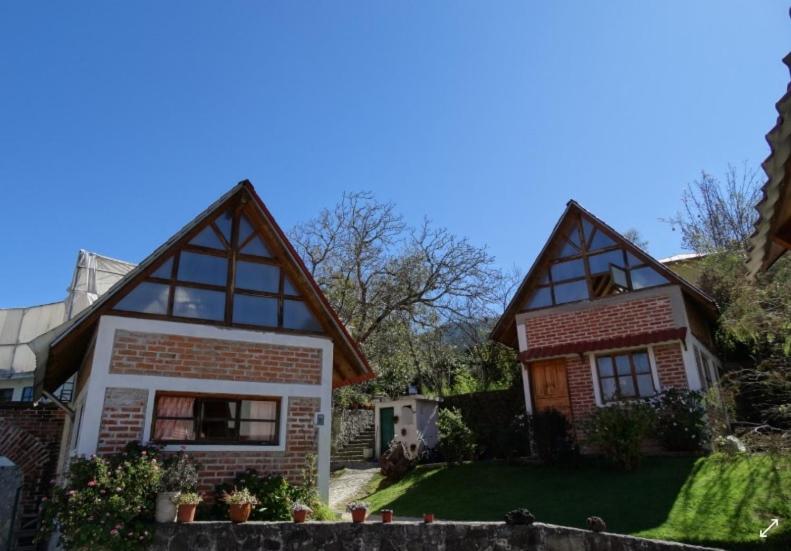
(119, 121)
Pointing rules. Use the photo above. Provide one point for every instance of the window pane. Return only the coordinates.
(223, 223)
(541, 297)
(165, 271)
(632, 260)
(645, 385)
(600, 263)
(574, 236)
(544, 278)
(259, 410)
(568, 270)
(288, 287)
(255, 310)
(257, 277)
(148, 298)
(622, 365)
(627, 387)
(641, 364)
(175, 406)
(605, 366)
(569, 292)
(174, 429)
(207, 238)
(245, 229)
(256, 247)
(608, 389)
(27, 394)
(619, 277)
(199, 303)
(203, 268)
(218, 420)
(646, 277)
(587, 229)
(257, 431)
(297, 315)
(568, 250)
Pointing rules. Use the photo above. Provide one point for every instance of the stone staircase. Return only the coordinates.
(354, 450)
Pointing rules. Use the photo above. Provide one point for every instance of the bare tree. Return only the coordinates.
(718, 215)
(634, 236)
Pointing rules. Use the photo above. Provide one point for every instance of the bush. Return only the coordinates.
(273, 492)
(180, 474)
(456, 441)
(107, 503)
(619, 430)
(514, 439)
(680, 419)
(552, 436)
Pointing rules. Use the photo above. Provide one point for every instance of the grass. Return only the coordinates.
(709, 501)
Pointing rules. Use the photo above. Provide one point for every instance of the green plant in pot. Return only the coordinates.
(180, 474)
(359, 510)
(300, 512)
(187, 502)
(240, 504)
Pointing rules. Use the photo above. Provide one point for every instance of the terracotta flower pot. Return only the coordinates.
(428, 518)
(239, 512)
(186, 512)
(299, 516)
(387, 517)
(358, 515)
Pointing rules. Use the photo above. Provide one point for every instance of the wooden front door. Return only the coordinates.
(550, 387)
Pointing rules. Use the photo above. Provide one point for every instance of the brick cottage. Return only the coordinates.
(220, 342)
(597, 320)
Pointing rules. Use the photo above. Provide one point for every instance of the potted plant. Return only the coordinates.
(187, 503)
(240, 504)
(387, 516)
(359, 510)
(300, 512)
(179, 474)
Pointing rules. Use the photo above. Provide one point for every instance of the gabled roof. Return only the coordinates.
(504, 331)
(776, 198)
(59, 352)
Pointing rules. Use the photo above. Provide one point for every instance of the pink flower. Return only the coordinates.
(114, 532)
(91, 483)
(72, 492)
(44, 498)
(144, 452)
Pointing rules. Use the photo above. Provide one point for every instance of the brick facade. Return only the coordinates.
(30, 437)
(613, 320)
(670, 366)
(200, 358)
(123, 418)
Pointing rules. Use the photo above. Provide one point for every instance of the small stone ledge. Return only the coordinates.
(409, 536)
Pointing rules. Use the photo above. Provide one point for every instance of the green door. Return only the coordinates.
(386, 429)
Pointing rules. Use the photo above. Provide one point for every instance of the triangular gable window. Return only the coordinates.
(195, 282)
(589, 263)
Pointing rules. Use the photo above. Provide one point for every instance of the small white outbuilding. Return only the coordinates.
(408, 419)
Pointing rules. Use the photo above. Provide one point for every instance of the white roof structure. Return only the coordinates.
(94, 275)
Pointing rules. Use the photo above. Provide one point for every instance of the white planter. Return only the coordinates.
(166, 509)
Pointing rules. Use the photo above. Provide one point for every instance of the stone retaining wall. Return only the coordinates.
(440, 536)
(348, 423)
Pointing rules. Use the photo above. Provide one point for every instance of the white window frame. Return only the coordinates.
(595, 372)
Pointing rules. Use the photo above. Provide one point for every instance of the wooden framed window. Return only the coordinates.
(6, 394)
(625, 375)
(216, 419)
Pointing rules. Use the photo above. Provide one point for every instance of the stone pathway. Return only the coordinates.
(349, 484)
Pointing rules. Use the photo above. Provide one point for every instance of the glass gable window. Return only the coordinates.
(183, 419)
(625, 375)
(586, 262)
(225, 273)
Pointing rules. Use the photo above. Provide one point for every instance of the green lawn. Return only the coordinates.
(711, 501)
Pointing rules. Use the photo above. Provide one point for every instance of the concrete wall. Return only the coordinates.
(285, 536)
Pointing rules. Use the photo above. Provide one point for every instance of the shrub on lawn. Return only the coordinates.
(619, 430)
(107, 503)
(680, 422)
(552, 436)
(456, 441)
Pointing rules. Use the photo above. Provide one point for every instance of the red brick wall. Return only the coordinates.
(633, 316)
(583, 400)
(30, 437)
(178, 356)
(123, 418)
(670, 366)
(301, 440)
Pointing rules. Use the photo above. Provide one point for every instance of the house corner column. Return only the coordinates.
(325, 430)
(521, 333)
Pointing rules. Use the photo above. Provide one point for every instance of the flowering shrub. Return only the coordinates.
(188, 498)
(107, 503)
(272, 492)
(180, 474)
(619, 430)
(680, 419)
(356, 505)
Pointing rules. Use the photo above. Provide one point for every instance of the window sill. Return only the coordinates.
(222, 447)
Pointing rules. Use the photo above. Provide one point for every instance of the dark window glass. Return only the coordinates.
(608, 389)
(223, 223)
(632, 260)
(618, 277)
(245, 229)
(256, 247)
(600, 241)
(568, 270)
(297, 315)
(165, 271)
(605, 366)
(625, 375)
(544, 278)
(645, 385)
(574, 236)
(587, 229)
(570, 292)
(27, 394)
(199, 304)
(207, 238)
(203, 268)
(600, 263)
(626, 386)
(622, 365)
(255, 310)
(641, 363)
(288, 287)
(6, 394)
(257, 277)
(568, 250)
(541, 297)
(147, 298)
(646, 277)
